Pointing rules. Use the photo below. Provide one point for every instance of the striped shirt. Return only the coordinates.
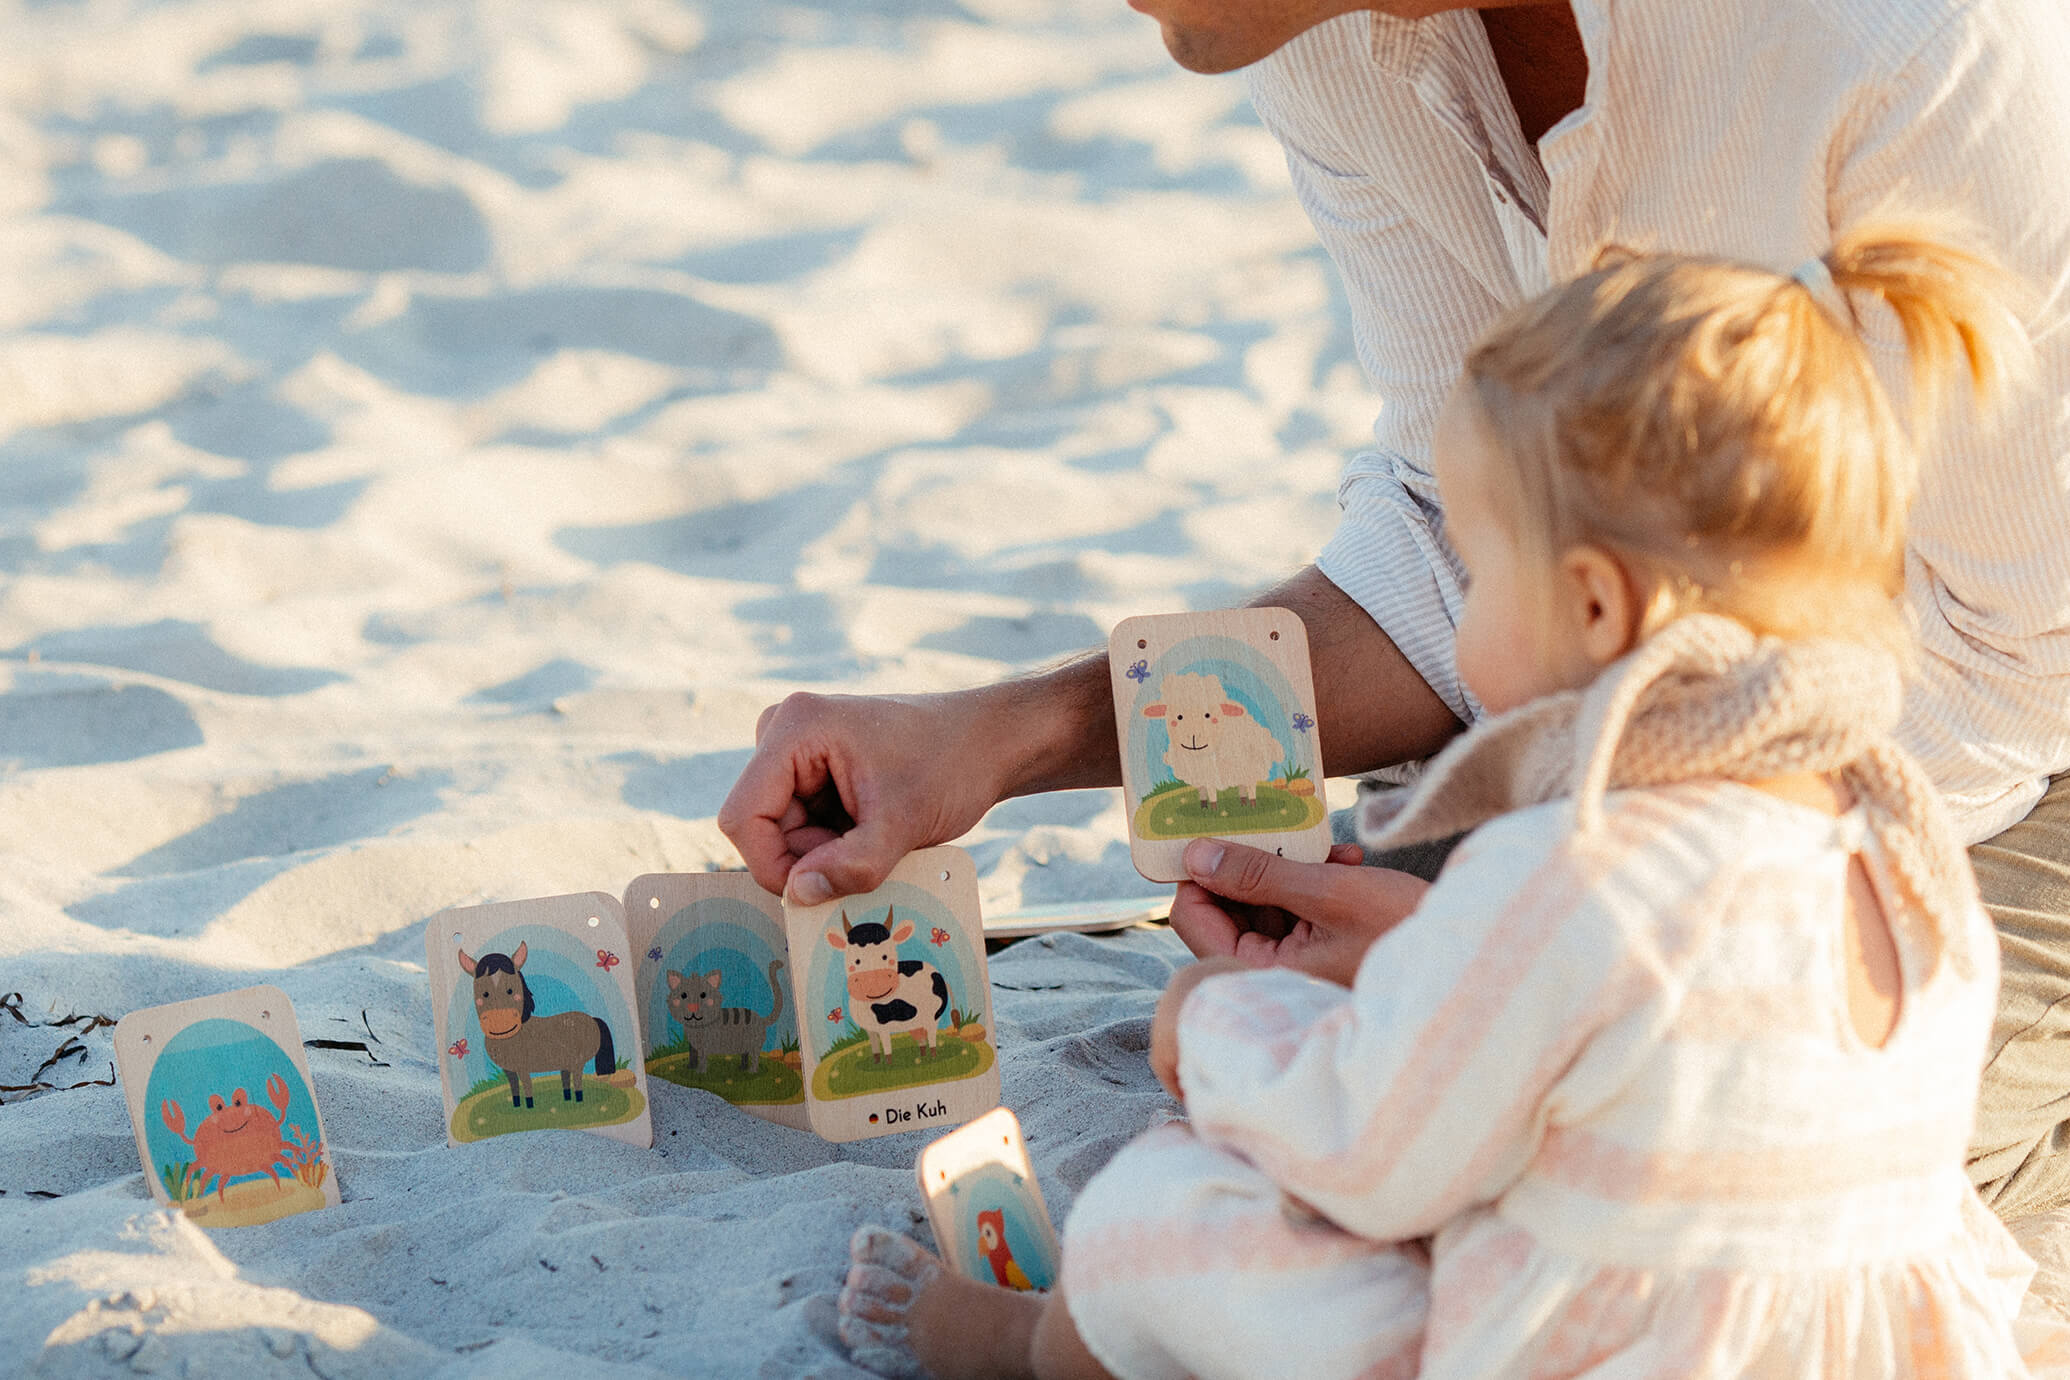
(1757, 130)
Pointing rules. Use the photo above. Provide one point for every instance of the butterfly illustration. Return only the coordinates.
(835, 1014)
(654, 954)
(458, 1049)
(606, 960)
(1302, 723)
(1139, 672)
(939, 936)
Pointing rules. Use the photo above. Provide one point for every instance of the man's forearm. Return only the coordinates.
(1375, 709)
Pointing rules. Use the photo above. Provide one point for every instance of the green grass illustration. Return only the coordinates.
(726, 1075)
(1176, 813)
(849, 1071)
(486, 1110)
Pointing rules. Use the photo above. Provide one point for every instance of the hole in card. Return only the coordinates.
(594, 922)
(1275, 634)
(1141, 643)
(653, 903)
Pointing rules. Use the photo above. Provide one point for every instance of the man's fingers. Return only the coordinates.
(1252, 875)
(856, 861)
(753, 816)
(1200, 921)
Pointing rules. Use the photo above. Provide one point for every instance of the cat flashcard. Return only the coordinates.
(533, 1007)
(224, 1112)
(895, 1003)
(1216, 715)
(986, 1207)
(712, 973)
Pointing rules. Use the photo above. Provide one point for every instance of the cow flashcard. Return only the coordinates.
(713, 975)
(989, 1219)
(224, 1112)
(533, 1007)
(1216, 714)
(894, 1002)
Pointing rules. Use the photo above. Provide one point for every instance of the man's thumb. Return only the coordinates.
(1237, 873)
(857, 861)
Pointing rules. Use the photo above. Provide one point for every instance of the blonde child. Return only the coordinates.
(1671, 1072)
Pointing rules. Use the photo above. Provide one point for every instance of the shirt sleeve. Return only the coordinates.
(1416, 308)
(1979, 119)
(1427, 1087)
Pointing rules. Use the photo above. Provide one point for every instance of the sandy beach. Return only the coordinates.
(429, 435)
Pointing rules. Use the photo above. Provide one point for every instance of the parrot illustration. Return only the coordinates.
(992, 1243)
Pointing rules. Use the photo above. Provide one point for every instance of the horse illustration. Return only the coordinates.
(522, 1044)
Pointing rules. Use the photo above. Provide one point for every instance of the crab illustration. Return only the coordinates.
(237, 1137)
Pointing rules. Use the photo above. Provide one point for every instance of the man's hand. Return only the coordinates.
(1265, 910)
(1164, 1027)
(843, 786)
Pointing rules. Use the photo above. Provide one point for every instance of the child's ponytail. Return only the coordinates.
(1724, 428)
(1952, 303)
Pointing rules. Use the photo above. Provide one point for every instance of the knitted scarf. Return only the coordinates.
(1704, 699)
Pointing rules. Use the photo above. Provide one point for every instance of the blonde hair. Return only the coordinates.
(1721, 427)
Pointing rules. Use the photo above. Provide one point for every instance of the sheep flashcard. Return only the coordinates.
(712, 972)
(532, 1003)
(225, 1117)
(986, 1208)
(1216, 714)
(895, 1003)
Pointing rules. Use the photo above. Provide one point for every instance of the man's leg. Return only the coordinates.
(2020, 1156)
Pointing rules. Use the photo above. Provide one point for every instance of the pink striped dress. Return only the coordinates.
(1596, 1109)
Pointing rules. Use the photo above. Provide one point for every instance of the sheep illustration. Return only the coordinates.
(1215, 745)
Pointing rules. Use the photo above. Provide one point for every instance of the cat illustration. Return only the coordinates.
(713, 1028)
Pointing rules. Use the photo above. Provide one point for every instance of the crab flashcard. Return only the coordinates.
(712, 971)
(896, 1006)
(1216, 713)
(532, 1003)
(225, 1116)
(987, 1210)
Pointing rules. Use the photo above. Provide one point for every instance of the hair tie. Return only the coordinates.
(1815, 278)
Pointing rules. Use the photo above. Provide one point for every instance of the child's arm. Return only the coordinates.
(1164, 1027)
(1512, 997)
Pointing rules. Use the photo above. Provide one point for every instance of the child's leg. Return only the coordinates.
(903, 1314)
(1181, 1259)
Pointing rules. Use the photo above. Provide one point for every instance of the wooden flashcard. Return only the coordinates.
(895, 1003)
(1216, 713)
(712, 969)
(986, 1207)
(224, 1111)
(533, 1005)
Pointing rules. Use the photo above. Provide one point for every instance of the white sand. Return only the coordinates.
(428, 436)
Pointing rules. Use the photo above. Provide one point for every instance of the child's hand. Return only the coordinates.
(1317, 917)
(1164, 1027)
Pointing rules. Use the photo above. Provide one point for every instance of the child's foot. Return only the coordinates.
(886, 1272)
(903, 1314)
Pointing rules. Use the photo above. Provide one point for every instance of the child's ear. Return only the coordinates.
(1605, 601)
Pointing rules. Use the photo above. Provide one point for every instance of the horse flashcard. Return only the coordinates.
(986, 1207)
(897, 1022)
(224, 1112)
(533, 1004)
(1216, 713)
(712, 971)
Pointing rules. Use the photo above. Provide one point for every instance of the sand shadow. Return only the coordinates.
(74, 721)
(176, 650)
(297, 817)
(686, 787)
(350, 213)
